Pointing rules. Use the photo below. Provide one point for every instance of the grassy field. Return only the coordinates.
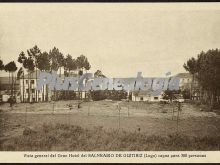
(100, 125)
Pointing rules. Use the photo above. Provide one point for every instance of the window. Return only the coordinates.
(26, 90)
(26, 81)
(155, 98)
(33, 90)
(141, 99)
(32, 81)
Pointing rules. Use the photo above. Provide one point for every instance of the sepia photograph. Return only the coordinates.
(109, 77)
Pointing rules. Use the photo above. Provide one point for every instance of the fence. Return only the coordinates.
(119, 110)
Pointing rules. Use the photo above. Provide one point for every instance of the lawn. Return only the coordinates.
(100, 125)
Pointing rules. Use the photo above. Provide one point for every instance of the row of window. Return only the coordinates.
(185, 80)
(142, 99)
(32, 91)
(32, 81)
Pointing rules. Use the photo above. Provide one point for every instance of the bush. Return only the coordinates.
(112, 95)
(62, 137)
(27, 131)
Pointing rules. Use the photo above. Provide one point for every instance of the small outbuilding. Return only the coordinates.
(146, 96)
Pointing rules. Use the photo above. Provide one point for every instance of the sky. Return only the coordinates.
(118, 39)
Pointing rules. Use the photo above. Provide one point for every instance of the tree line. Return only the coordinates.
(206, 70)
(36, 59)
(11, 68)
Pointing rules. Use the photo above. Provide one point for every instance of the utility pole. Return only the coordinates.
(178, 113)
(119, 116)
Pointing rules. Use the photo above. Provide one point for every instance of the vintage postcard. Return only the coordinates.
(109, 82)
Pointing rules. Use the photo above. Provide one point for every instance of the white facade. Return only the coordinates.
(144, 96)
(45, 94)
(185, 83)
(185, 80)
(35, 95)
